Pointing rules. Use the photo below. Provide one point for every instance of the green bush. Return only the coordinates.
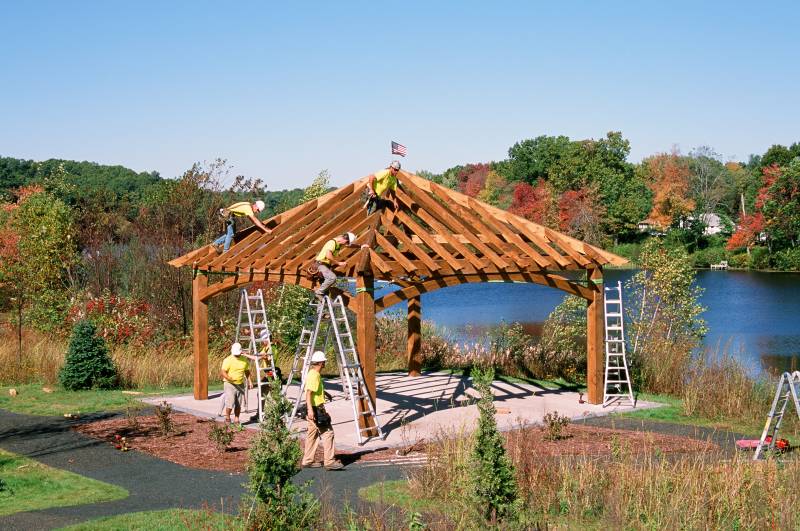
(787, 260)
(628, 250)
(88, 364)
(739, 261)
(493, 480)
(759, 258)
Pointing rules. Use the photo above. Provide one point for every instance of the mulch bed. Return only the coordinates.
(190, 444)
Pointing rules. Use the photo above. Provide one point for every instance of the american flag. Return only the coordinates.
(398, 149)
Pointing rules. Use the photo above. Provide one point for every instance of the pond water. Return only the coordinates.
(752, 315)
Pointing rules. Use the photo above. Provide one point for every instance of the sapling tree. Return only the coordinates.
(274, 501)
(493, 481)
(88, 364)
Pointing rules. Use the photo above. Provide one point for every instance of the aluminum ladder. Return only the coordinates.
(787, 391)
(252, 325)
(330, 315)
(617, 383)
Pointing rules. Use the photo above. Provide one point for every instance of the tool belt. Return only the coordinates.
(313, 270)
(321, 417)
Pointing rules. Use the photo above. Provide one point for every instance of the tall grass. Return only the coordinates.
(167, 365)
(629, 490)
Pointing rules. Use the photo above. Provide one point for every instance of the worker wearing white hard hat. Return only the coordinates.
(326, 260)
(382, 188)
(238, 210)
(318, 420)
(235, 373)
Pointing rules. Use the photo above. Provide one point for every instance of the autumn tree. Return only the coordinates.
(581, 214)
(534, 203)
(747, 232)
(667, 175)
(779, 200)
(496, 190)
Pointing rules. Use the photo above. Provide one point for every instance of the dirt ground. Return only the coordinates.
(190, 445)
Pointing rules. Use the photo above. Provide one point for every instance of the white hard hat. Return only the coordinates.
(318, 357)
(259, 205)
(351, 238)
(264, 334)
(395, 165)
(236, 349)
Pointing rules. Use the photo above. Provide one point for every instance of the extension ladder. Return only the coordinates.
(330, 315)
(787, 391)
(617, 384)
(252, 324)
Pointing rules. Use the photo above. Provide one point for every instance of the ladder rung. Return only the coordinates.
(613, 328)
(613, 301)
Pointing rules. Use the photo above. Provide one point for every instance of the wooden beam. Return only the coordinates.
(365, 344)
(200, 330)
(595, 340)
(414, 336)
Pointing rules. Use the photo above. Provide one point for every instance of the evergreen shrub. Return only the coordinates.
(88, 364)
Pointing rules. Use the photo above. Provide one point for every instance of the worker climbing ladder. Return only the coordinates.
(617, 383)
(787, 391)
(327, 321)
(252, 327)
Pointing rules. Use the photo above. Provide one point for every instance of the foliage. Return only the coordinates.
(563, 344)
(33, 486)
(221, 435)
(163, 413)
(164, 520)
(668, 177)
(581, 214)
(553, 425)
(781, 204)
(534, 203)
(88, 364)
(664, 315)
(119, 319)
(493, 482)
(747, 232)
(788, 259)
(275, 502)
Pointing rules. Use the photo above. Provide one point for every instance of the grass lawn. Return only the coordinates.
(177, 519)
(30, 485)
(32, 400)
(396, 492)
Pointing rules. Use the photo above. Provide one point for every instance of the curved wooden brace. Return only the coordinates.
(554, 281)
(238, 281)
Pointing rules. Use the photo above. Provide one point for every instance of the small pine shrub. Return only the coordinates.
(88, 364)
(493, 481)
(274, 502)
(164, 417)
(554, 425)
(221, 435)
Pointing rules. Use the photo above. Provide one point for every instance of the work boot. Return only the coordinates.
(336, 465)
(315, 464)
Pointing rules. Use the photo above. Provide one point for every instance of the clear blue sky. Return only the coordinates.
(285, 91)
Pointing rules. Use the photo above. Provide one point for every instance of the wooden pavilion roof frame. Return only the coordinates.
(437, 238)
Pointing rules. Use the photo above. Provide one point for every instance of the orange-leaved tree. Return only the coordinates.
(667, 175)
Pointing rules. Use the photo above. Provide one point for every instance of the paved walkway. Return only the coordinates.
(152, 483)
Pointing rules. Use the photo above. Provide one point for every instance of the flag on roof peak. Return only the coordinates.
(398, 149)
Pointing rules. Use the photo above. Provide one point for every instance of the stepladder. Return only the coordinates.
(786, 393)
(252, 332)
(326, 328)
(617, 381)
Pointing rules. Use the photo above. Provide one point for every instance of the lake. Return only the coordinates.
(754, 316)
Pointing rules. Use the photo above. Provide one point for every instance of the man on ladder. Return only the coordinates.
(319, 422)
(325, 260)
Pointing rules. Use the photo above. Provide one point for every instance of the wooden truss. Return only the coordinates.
(437, 238)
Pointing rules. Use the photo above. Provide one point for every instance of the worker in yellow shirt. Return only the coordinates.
(238, 210)
(318, 420)
(326, 260)
(382, 186)
(235, 372)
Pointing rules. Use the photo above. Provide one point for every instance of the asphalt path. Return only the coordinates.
(153, 483)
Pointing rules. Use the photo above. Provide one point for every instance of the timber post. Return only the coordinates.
(414, 335)
(200, 334)
(365, 344)
(595, 337)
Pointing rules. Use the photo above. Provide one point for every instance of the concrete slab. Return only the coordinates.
(411, 409)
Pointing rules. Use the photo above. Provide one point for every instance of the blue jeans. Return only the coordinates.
(226, 238)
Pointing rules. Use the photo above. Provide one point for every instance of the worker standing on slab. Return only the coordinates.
(382, 186)
(235, 372)
(229, 215)
(318, 420)
(326, 259)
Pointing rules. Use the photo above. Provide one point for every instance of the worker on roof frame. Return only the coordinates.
(382, 187)
(326, 258)
(238, 210)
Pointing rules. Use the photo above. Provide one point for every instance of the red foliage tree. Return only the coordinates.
(747, 232)
(533, 203)
(581, 214)
(668, 177)
(472, 178)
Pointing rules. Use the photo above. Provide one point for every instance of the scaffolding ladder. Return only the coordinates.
(617, 383)
(252, 326)
(326, 320)
(786, 392)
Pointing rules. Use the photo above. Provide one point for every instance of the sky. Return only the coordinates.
(283, 90)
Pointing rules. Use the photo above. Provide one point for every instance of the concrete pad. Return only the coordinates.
(411, 409)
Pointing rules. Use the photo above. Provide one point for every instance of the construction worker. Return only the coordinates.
(318, 420)
(326, 260)
(229, 215)
(382, 186)
(235, 372)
